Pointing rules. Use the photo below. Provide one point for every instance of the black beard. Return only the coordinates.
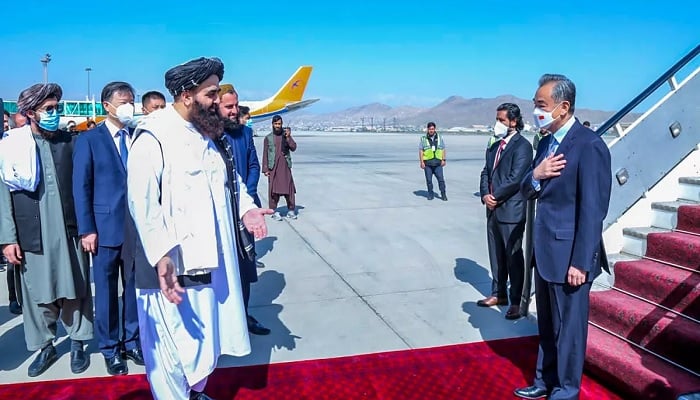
(207, 121)
(44, 133)
(232, 126)
(277, 131)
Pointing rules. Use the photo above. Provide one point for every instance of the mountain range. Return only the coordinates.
(452, 112)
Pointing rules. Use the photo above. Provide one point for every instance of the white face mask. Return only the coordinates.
(500, 130)
(125, 113)
(543, 118)
(137, 119)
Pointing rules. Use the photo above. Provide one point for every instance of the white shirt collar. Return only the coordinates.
(560, 134)
(113, 129)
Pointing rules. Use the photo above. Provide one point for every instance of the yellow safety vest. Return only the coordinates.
(492, 140)
(429, 152)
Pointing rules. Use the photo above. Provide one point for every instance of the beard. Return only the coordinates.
(44, 133)
(232, 125)
(208, 121)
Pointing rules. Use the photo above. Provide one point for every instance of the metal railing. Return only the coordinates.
(667, 77)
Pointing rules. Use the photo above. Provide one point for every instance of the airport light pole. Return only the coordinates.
(88, 69)
(45, 61)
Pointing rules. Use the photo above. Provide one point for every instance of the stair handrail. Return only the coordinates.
(665, 77)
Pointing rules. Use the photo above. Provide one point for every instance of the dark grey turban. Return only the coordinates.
(34, 95)
(192, 73)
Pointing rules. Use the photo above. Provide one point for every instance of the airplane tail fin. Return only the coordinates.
(294, 89)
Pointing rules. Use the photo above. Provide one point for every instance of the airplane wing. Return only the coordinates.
(300, 104)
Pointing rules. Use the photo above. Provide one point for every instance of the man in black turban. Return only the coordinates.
(187, 203)
(183, 80)
(192, 73)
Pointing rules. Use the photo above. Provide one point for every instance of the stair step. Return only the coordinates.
(665, 333)
(689, 218)
(604, 281)
(675, 247)
(614, 258)
(665, 213)
(674, 288)
(671, 205)
(633, 372)
(634, 239)
(689, 188)
(692, 180)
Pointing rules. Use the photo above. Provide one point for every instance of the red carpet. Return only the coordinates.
(689, 219)
(484, 371)
(668, 334)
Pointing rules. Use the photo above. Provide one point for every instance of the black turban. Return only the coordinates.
(34, 95)
(192, 73)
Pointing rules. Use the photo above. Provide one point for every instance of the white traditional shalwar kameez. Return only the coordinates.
(181, 207)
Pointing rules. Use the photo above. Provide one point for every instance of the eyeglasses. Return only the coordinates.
(50, 108)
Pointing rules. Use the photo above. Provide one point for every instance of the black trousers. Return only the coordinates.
(248, 274)
(436, 170)
(506, 257)
(562, 320)
(11, 288)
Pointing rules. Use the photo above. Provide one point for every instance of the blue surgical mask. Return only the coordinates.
(249, 123)
(48, 120)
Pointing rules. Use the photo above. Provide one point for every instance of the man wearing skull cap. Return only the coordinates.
(38, 230)
(188, 207)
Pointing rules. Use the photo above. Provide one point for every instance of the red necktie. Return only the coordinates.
(495, 163)
(498, 153)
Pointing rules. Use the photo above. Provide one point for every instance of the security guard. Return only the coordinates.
(432, 155)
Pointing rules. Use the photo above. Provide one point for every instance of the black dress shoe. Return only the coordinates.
(259, 264)
(116, 365)
(79, 361)
(256, 328)
(431, 195)
(513, 312)
(43, 361)
(135, 355)
(15, 308)
(443, 197)
(199, 396)
(531, 392)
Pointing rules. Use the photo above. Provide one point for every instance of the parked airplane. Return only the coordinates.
(288, 98)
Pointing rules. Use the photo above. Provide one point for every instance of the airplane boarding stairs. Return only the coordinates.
(644, 321)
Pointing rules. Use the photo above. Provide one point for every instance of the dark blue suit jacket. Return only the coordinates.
(246, 158)
(100, 204)
(571, 208)
(515, 162)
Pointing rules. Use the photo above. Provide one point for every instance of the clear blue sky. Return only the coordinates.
(398, 52)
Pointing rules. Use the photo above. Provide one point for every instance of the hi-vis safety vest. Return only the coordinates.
(430, 152)
(492, 140)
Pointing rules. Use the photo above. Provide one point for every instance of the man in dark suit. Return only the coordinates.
(571, 181)
(99, 189)
(248, 167)
(507, 160)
